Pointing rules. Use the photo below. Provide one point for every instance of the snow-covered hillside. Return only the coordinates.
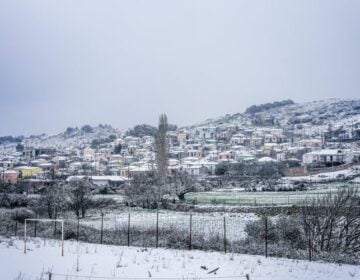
(310, 118)
(73, 138)
(91, 261)
(304, 118)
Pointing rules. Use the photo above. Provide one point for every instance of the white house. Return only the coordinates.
(107, 181)
(328, 157)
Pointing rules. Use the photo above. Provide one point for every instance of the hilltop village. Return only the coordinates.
(280, 133)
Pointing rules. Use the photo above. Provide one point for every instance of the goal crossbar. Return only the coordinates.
(46, 220)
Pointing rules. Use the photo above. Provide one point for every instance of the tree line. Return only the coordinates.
(267, 106)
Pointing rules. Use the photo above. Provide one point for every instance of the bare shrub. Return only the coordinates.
(332, 224)
(80, 196)
(21, 214)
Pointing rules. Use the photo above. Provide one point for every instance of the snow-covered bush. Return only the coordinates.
(12, 200)
(255, 231)
(289, 229)
(21, 214)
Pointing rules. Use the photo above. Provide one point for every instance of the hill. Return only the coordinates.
(306, 118)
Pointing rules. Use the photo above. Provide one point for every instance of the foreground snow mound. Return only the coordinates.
(94, 261)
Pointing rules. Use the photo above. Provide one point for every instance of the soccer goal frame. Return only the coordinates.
(46, 220)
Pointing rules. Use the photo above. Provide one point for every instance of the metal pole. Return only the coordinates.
(309, 242)
(266, 237)
(16, 225)
(55, 222)
(128, 233)
(190, 233)
(78, 228)
(35, 224)
(225, 235)
(62, 238)
(102, 228)
(25, 238)
(157, 229)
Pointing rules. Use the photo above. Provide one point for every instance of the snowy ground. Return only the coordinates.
(241, 198)
(325, 176)
(112, 262)
(202, 223)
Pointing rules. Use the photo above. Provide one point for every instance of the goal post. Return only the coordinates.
(46, 220)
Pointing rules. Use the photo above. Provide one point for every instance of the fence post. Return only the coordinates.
(128, 233)
(62, 238)
(266, 237)
(35, 224)
(102, 228)
(190, 233)
(16, 225)
(157, 228)
(55, 222)
(25, 237)
(309, 243)
(49, 275)
(78, 228)
(224, 234)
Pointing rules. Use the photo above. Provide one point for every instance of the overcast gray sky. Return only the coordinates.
(66, 63)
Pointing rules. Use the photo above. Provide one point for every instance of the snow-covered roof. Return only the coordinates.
(45, 164)
(109, 178)
(310, 141)
(190, 159)
(328, 152)
(266, 159)
(173, 161)
(10, 172)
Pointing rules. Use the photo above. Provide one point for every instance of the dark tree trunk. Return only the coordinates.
(181, 196)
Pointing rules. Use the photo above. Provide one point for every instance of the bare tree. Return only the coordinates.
(183, 183)
(143, 190)
(86, 169)
(332, 223)
(80, 196)
(53, 200)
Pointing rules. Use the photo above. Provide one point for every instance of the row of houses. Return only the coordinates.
(196, 151)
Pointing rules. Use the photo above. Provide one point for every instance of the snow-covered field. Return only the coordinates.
(113, 262)
(234, 197)
(202, 223)
(325, 176)
(319, 185)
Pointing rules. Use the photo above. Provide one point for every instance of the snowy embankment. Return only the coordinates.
(114, 262)
(325, 177)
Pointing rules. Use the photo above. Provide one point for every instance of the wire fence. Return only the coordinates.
(53, 276)
(228, 233)
(187, 231)
(258, 198)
